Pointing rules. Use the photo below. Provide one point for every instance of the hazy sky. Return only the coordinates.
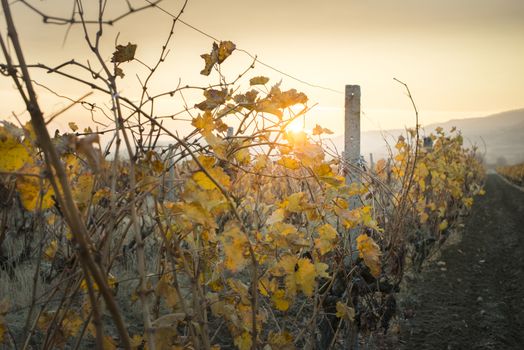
(461, 58)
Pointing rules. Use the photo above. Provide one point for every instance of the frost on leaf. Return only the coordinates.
(124, 53)
(370, 252)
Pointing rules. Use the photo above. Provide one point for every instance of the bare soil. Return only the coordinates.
(475, 300)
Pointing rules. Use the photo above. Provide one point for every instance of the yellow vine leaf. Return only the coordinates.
(168, 292)
(277, 216)
(50, 251)
(289, 163)
(109, 343)
(443, 225)
(243, 341)
(327, 238)
(234, 242)
(72, 323)
(82, 190)
(136, 341)
(204, 181)
(14, 153)
(295, 203)
(321, 270)
(34, 192)
(305, 276)
(344, 311)
(279, 300)
(281, 341)
(370, 252)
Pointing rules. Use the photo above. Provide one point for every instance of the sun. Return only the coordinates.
(296, 126)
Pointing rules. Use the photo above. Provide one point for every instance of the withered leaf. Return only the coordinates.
(124, 53)
(218, 54)
(258, 80)
(225, 50)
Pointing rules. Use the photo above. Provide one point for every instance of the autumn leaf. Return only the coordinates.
(370, 252)
(243, 341)
(327, 238)
(50, 250)
(34, 192)
(214, 98)
(14, 153)
(234, 242)
(205, 182)
(225, 49)
(276, 216)
(443, 225)
(344, 311)
(82, 190)
(217, 55)
(280, 300)
(93, 155)
(119, 72)
(295, 203)
(210, 60)
(258, 81)
(284, 99)
(204, 123)
(168, 292)
(305, 276)
(318, 130)
(289, 163)
(281, 341)
(73, 126)
(124, 53)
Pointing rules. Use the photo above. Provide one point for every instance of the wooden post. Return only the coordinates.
(170, 192)
(352, 131)
(371, 164)
(352, 157)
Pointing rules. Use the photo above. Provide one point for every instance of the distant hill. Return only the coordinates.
(500, 137)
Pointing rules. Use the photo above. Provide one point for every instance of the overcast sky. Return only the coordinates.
(460, 58)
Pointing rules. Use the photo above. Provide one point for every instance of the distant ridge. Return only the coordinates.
(499, 137)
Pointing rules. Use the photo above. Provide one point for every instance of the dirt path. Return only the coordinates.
(478, 301)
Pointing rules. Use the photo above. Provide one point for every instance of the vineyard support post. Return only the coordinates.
(352, 171)
(170, 188)
(352, 132)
